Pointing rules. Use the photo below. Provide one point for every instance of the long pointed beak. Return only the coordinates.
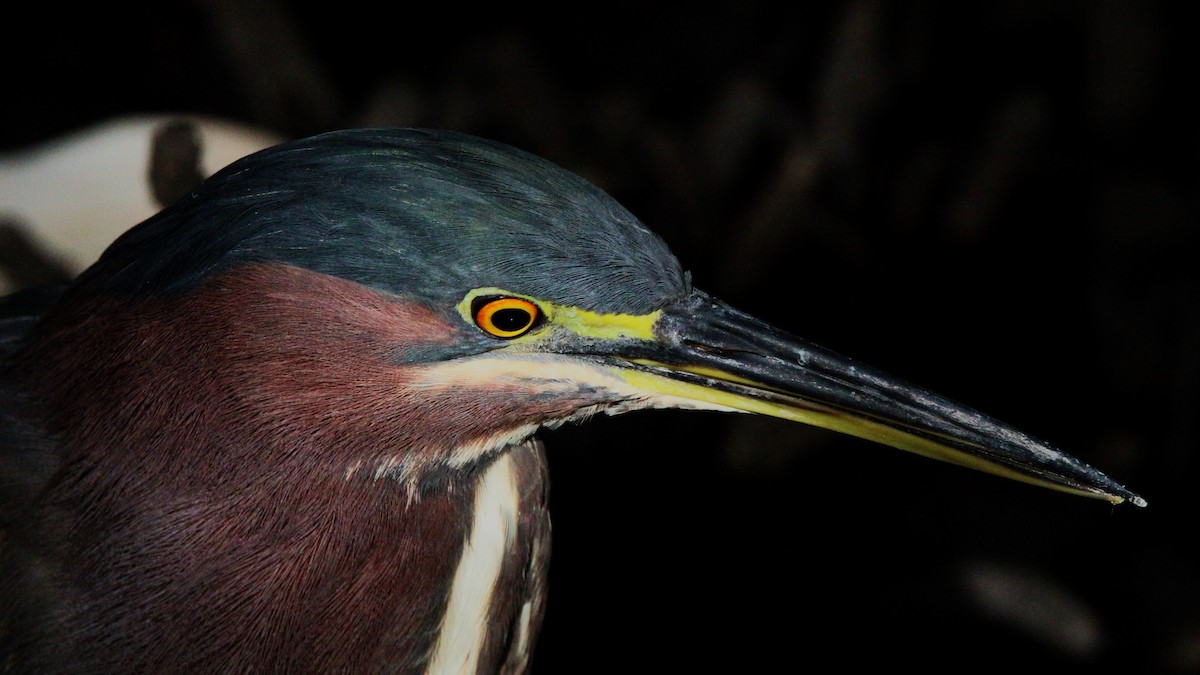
(713, 354)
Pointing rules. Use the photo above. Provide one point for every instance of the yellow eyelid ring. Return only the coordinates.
(505, 316)
(586, 323)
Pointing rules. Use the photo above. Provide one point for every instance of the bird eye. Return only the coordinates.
(505, 317)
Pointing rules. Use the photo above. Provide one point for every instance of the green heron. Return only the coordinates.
(289, 423)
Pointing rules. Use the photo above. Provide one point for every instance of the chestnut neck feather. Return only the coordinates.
(205, 444)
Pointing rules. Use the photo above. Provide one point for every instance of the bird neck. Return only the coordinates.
(256, 435)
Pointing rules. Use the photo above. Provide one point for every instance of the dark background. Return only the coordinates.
(996, 200)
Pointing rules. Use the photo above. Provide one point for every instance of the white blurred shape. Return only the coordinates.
(78, 193)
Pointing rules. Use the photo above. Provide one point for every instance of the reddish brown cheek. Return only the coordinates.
(282, 309)
(248, 356)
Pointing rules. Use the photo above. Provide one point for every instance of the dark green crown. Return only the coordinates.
(420, 213)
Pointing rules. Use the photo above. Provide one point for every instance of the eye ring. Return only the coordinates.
(505, 316)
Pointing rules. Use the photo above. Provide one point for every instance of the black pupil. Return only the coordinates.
(511, 319)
